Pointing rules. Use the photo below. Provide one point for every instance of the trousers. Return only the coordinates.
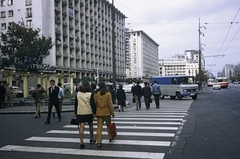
(100, 121)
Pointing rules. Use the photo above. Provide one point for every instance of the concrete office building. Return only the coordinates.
(81, 31)
(181, 64)
(141, 56)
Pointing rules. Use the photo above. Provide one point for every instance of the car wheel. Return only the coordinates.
(194, 97)
(179, 96)
(172, 97)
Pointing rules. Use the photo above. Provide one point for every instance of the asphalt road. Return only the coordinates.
(205, 128)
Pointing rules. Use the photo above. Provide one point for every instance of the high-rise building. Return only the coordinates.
(81, 31)
(141, 56)
(228, 70)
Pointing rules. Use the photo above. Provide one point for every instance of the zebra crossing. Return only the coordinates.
(136, 130)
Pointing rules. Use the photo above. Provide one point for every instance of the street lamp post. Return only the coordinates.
(200, 55)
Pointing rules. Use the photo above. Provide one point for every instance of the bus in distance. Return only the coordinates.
(223, 81)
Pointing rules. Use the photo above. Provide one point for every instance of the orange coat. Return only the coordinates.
(104, 104)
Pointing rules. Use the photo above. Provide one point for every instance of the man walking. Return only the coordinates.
(137, 91)
(60, 97)
(146, 92)
(2, 95)
(9, 91)
(37, 95)
(156, 92)
(53, 100)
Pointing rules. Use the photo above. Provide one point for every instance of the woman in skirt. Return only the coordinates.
(85, 109)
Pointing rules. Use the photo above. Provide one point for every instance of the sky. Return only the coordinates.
(174, 25)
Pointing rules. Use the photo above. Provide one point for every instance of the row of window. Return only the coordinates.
(10, 2)
(10, 13)
(28, 25)
(3, 3)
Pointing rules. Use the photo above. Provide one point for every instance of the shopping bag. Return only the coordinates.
(113, 130)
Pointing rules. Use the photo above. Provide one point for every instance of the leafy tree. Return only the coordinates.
(19, 42)
(76, 80)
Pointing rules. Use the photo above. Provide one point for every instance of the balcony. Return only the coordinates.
(71, 36)
(57, 31)
(71, 46)
(58, 43)
(58, 54)
(65, 55)
(72, 56)
(83, 58)
(57, 9)
(65, 2)
(57, 20)
(65, 45)
(64, 13)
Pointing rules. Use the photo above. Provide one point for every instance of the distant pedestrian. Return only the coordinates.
(37, 95)
(137, 91)
(146, 92)
(113, 93)
(53, 100)
(132, 89)
(121, 98)
(60, 97)
(2, 95)
(9, 92)
(156, 93)
(85, 109)
(105, 110)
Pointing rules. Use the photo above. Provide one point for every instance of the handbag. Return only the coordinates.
(73, 121)
(113, 130)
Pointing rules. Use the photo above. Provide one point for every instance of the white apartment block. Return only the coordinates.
(181, 64)
(141, 56)
(80, 29)
(228, 70)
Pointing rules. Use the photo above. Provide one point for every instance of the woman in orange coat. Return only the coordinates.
(105, 110)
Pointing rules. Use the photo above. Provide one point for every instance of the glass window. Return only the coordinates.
(10, 13)
(3, 14)
(10, 2)
(3, 26)
(29, 12)
(3, 3)
(28, 2)
(29, 24)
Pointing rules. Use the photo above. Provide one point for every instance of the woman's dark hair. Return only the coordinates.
(85, 87)
(93, 86)
(120, 86)
(102, 88)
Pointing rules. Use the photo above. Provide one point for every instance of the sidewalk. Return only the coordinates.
(29, 108)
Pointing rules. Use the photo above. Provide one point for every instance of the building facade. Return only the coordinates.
(181, 64)
(141, 56)
(228, 71)
(81, 31)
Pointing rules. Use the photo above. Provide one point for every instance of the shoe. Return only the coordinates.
(82, 146)
(92, 141)
(119, 110)
(53, 115)
(99, 145)
(136, 108)
(110, 140)
(47, 122)
(36, 116)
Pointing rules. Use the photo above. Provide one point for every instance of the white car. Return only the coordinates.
(216, 86)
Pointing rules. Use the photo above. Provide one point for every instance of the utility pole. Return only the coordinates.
(200, 56)
(199, 59)
(113, 46)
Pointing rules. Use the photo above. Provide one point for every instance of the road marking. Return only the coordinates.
(147, 123)
(156, 113)
(147, 119)
(119, 133)
(131, 127)
(149, 116)
(120, 142)
(67, 151)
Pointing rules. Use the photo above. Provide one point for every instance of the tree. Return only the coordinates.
(19, 42)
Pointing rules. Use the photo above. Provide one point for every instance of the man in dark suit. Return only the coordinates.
(137, 91)
(53, 100)
(2, 95)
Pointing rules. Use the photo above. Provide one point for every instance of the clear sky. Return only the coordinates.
(174, 24)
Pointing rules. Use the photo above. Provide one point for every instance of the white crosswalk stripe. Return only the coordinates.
(133, 129)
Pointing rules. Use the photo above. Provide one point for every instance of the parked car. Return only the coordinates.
(216, 86)
(127, 88)
(17, 92)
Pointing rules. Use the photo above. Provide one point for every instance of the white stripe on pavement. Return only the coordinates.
(130, 127)
(120, 142)
(147, 119)
(119, 133)
(149, 116)
(155, 113)
(67, 151)
(147, 123)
